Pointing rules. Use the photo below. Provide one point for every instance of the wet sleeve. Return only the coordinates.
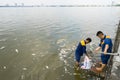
(84, 49)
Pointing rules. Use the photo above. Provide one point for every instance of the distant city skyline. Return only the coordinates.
(57, 2)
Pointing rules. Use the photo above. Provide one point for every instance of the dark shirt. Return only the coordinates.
(81, 48)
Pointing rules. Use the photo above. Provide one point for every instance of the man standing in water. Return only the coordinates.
(81, 48)
(106, 45)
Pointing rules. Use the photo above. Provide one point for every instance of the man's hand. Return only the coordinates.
(97, 49)
(104, 53)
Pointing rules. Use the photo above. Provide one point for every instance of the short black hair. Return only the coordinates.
(89, 39)
(99, 32)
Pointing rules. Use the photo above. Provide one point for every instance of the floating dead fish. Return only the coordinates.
(22, 76)
(65, 61)
(65, 69)
(63, 51)
(4, 67)
(24, 69)
(61, 58)
(60, 41)
(33, 54)
(76, 74)
(16, 50)
(64, 56)
(2, 47)
(47, 67)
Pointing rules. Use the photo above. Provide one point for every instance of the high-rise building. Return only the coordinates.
(16, 4)
(7, 5)
(22, 4)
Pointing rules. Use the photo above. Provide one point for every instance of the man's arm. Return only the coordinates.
(97, 49)
(107, 42)
(106, 48)
(85, 52)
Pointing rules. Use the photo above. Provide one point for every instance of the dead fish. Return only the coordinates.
(47, 67)
(2, 47)
(24, 69)
(4, 67)
(16, 50)
(33, 54)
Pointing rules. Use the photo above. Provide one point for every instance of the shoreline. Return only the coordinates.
(113, 67)
(65, 6)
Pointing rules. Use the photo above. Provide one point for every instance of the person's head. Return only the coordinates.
(100, 34)
(88, 40)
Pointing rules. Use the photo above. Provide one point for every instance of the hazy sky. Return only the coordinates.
(58, 1)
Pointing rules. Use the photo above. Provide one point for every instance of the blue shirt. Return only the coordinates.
(104, 42)
(81, 48)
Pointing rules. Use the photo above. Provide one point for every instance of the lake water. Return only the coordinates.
(37, 43)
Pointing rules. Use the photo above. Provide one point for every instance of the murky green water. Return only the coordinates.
(36, 43)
